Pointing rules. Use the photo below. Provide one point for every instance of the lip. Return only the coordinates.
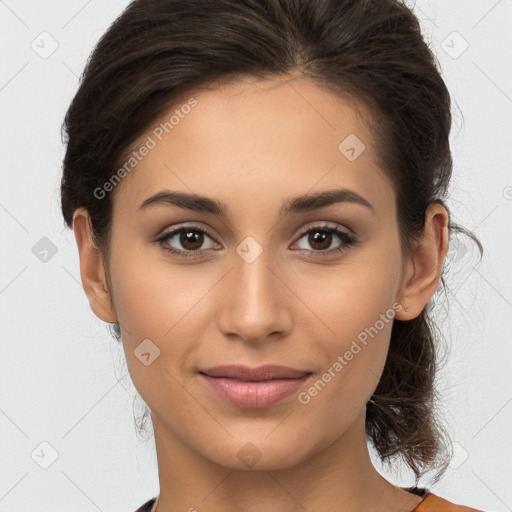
(254, 388)
(245, 373)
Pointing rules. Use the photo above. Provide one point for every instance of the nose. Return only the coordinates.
(255, 301)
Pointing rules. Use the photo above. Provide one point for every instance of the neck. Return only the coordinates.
(338, 477)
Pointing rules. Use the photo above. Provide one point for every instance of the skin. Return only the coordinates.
(252, 145)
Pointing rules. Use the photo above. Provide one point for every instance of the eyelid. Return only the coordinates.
(179, 227)
(325, 225)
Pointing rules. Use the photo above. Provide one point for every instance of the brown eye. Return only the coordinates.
(321, 238)
(190, 241)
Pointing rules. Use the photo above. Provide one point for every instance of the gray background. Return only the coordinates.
(65, 403)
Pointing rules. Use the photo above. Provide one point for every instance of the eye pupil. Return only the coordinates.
(191, 237)
(323, 236)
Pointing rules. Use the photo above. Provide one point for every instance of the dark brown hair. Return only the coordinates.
(369, 51)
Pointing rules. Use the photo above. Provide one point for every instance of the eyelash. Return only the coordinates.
(347, 239)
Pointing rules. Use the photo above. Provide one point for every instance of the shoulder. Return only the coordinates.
(434, 503)
(147, 506)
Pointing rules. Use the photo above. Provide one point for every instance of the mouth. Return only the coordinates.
(261, 373)
(254, 388)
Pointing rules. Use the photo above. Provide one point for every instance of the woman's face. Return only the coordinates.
(264, 284)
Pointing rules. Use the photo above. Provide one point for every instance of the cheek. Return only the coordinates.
(153, 300)
(363, 334)
(356, 304)
(353, 299)
(157, 320)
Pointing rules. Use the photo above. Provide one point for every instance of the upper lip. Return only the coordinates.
(266, 372)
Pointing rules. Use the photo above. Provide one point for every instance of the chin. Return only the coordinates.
(258, 454)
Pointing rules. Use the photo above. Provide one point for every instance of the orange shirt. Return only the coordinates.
(430, 503)
(433, 503)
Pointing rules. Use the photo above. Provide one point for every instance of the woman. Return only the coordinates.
(257, 192)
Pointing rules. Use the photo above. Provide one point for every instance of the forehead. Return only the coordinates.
(268, 137)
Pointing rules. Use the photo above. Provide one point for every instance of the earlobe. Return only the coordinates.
(423, 273)
(92, 269)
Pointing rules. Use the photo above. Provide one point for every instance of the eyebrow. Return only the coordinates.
(298, 204)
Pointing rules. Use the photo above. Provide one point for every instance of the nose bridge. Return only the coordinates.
(254, 282)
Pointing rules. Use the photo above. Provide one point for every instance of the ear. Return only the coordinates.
(92, 270)
(423, 269)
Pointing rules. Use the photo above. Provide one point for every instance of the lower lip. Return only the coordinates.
(253, 395)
